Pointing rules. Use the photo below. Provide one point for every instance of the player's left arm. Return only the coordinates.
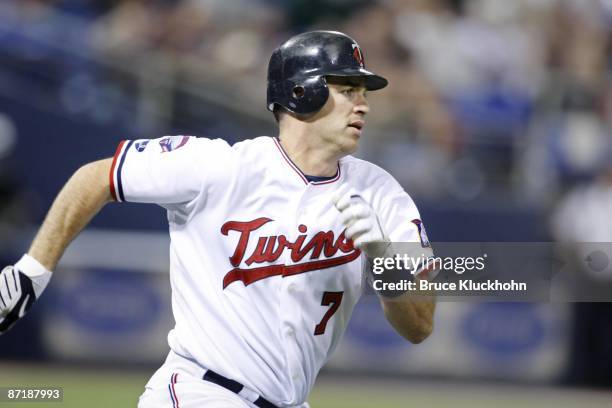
(411, 313)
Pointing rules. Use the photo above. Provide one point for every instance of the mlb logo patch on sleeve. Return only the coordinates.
(140, 145)
(171, 143)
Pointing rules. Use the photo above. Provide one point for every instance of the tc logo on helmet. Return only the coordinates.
(357, 55)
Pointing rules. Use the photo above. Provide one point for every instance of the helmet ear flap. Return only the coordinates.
(307, 95)
(302, 96)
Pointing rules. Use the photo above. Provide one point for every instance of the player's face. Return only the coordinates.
(341, 120)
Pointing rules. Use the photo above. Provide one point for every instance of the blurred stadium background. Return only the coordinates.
(497, 122)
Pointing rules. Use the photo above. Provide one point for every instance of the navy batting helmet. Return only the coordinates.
(297, 70)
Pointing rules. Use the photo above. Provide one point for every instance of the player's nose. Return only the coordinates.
(361, 106)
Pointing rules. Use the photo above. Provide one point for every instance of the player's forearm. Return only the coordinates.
(79, 201)
(411, 315)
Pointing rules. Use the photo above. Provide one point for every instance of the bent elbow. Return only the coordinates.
(412, 321)
(420, 334)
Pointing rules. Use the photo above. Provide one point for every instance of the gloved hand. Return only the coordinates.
(20, 286)
(361, 222)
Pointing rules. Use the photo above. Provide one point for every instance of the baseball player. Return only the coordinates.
(269, 237)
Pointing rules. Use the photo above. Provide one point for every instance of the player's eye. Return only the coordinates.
(353, 91)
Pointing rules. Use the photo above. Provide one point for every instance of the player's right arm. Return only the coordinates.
(78, 202)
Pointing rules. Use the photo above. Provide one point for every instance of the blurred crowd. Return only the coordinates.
(487, 97)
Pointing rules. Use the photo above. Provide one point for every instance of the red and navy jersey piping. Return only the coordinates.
(116, 185)
(300, 173)
(172, 390)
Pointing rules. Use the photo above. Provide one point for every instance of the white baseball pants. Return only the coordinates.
(178, 383)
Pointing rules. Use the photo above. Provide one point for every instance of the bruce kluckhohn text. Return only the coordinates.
(463, 285)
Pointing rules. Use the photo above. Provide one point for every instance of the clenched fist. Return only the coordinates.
(361, 222)
(20, 286)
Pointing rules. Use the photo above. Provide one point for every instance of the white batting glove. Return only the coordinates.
(361, 222)
(20, 286)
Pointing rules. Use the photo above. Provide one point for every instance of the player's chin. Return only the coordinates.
(351, 140)
(354, 132)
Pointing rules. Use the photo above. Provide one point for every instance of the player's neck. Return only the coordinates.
(311, 159)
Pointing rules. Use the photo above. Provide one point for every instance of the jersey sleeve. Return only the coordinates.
(167, 170)
(402, 224)
(401, 219)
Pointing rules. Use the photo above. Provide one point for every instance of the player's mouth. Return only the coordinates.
(357, 124)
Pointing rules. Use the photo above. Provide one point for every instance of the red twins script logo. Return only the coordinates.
(270, 249)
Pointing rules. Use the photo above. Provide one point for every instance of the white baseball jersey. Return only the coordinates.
(263, 279)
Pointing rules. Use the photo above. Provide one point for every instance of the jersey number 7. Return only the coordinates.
(332, 299)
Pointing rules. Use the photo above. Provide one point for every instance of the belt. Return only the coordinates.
(237, 388)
